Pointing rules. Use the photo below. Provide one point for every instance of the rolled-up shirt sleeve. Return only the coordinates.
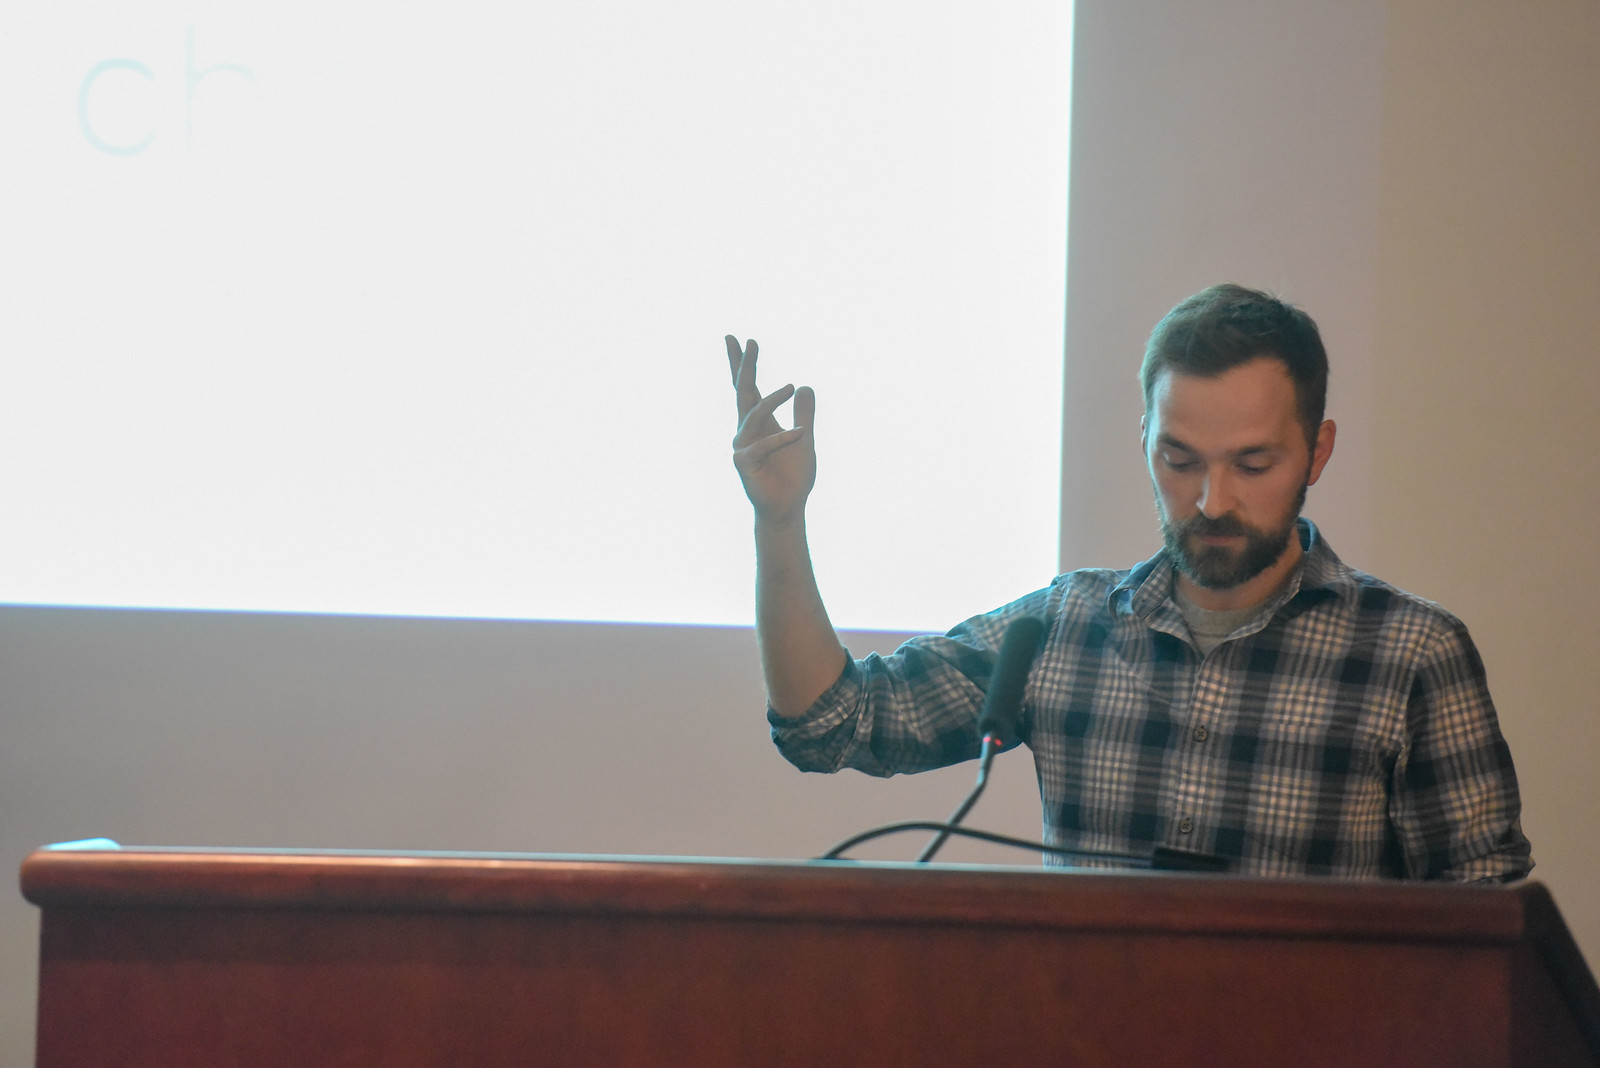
(1455, 805)
(910, 711)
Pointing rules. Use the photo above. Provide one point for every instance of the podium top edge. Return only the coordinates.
(103, 874)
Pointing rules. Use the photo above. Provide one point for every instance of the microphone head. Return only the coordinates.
(1002, 706)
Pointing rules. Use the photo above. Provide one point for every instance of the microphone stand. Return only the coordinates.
(985, 758)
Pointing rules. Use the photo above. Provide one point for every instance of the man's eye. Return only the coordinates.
(1180, 465)
(1254, 469)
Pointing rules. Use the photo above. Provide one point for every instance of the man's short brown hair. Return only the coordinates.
(1222, 327)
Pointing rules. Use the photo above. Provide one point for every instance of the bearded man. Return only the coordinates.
(1242, 693)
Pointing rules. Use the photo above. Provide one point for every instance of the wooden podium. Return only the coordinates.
(296, 959)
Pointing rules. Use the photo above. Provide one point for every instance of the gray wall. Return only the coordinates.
(1486, 495)
(1420, 177)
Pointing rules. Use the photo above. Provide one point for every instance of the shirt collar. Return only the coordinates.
(1147, 589)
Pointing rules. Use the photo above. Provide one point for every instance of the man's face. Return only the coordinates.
(1230, 464)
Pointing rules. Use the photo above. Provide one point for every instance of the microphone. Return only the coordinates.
(999, 723)
(1002, 706)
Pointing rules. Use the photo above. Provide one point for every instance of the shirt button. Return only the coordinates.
(1201, 734)
(1186, 825)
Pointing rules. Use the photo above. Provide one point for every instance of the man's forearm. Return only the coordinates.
(801, 655)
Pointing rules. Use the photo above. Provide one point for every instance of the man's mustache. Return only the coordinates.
(1223, 526)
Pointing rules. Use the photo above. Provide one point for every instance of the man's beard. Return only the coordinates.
(1215, 567)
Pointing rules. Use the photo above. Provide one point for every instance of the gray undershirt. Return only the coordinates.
(1208, 628)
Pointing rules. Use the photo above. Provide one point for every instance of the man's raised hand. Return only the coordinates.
(778, 466)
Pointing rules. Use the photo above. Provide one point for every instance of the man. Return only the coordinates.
(1243, 692)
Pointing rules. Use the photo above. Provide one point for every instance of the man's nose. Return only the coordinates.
(1216, 494)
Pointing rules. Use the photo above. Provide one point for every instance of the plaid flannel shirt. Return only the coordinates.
(1346, 731)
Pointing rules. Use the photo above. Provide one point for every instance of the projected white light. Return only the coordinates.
(418, 310)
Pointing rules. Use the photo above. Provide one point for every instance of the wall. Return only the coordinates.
(1484, 491)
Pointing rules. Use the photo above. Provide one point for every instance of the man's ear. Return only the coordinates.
(1143, 429)
(1322, 450)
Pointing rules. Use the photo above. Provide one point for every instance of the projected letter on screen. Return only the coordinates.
(114, 98)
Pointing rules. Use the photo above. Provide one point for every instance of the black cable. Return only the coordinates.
(985, 759)
(1142, 859)
(1161, 858)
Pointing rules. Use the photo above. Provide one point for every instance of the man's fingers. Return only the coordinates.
(752, 423)
(741, 362)
(756, 454)
(758, 423)
(805, 406)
